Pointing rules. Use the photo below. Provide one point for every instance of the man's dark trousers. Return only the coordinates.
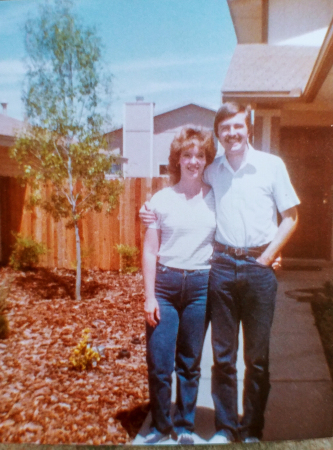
(240, 289)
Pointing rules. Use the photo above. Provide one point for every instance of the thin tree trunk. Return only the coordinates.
(78, 263)
(77, 234)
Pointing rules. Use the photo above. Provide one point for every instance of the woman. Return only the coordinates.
(176, 256)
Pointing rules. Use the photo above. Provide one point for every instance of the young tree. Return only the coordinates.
(63, 145)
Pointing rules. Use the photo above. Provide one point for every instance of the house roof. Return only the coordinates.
(175, 107)
(250, 20)
(8, 125)
(322, 66)
(171, 109)
(261, 69)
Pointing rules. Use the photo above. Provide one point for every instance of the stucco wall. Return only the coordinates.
(138, 139)
(162, 148)
(8, 166)
(115, 141)
(145, 140)
(288, 19)
(167, 125)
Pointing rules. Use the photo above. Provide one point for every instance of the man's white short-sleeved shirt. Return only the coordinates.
(247, 200)
(187, 229)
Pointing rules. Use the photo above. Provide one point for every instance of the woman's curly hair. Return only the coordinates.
(187, 137)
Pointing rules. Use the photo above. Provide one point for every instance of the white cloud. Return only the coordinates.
(12, 67)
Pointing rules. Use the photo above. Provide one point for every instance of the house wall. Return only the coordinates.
(267, 130)
(306, 115)
(138, 139)
(302, 135)
(145, 140)
(115, 141)
(167, 125)
(8, 166)
(324, 98)
(248, 17)
(162, 144)
(288, 19)
(307, 152)
(12, 196)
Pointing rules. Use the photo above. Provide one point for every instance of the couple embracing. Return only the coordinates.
(210, 247)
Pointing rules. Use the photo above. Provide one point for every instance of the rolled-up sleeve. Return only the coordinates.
(284, 193)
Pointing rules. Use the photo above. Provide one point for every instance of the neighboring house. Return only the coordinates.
(282, 67)
(145, 138)
(11, 193)
(143, 146)
(8, 128)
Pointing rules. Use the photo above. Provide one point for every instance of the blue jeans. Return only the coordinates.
(176, 343)
(240, 289)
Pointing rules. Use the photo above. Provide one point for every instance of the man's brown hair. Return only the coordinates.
(230, 109)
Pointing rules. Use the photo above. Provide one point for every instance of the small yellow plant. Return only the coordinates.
(83, 356)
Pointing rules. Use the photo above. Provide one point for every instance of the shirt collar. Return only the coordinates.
(249, 157)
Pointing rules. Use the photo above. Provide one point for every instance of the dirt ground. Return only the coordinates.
(42, 399)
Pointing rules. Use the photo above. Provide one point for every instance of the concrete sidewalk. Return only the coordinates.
(300, 404)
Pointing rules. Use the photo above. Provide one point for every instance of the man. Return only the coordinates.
(249, 187)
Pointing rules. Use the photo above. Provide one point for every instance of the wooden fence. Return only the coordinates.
(99, 232)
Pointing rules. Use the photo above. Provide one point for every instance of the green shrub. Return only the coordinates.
(26, 252)
(128, 258)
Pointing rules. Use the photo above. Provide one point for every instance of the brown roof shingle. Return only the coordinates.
(269, 68)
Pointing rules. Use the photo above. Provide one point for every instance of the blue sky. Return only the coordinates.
(171, 52)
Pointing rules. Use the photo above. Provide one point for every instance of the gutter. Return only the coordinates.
(295, 95)
(321, 67)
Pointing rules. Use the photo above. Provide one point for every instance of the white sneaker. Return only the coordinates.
(251, 440)
(155, 438)
(185, 439)
(219, 438)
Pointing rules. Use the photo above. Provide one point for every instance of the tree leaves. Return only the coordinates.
(63, 147)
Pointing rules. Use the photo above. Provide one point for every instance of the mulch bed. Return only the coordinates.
(45, 401)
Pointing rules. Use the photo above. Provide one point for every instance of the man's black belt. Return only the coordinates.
(240, 251)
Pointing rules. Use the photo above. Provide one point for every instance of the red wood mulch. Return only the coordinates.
(43, 400)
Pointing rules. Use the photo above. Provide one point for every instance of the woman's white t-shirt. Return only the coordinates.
(187, 228)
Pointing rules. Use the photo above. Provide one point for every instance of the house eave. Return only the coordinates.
(263, 97)
(321, 67)
(250, 20)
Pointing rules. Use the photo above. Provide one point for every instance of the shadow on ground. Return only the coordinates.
(133, 419)
(51, 284)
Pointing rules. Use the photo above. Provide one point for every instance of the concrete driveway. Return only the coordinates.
(300, 404)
